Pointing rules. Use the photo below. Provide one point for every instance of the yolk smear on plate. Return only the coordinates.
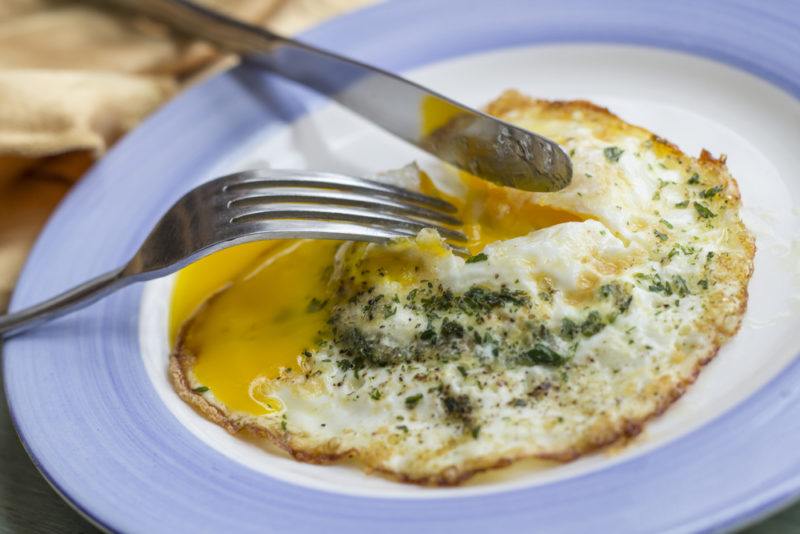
(261, 323)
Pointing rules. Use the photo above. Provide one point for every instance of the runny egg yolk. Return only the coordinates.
(492, 213)
(267, 315)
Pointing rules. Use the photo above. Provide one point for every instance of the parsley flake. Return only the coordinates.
(703, 211)
(568, 328)
(592, 324)
(477, 258)
(712, 191)
(541, 354)
(413, 400)
(680, 285)
(613, 153)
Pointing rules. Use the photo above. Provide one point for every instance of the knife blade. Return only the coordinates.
(469, 139)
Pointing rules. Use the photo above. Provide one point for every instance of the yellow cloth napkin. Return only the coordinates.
(74, 78)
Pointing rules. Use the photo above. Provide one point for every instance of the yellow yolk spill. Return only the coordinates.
(196, 282)
(492, 213)
(258, 325)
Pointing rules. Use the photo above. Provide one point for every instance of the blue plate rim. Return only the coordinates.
(760, 56)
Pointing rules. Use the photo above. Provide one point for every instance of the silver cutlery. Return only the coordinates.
(472, 141)
(257, 205)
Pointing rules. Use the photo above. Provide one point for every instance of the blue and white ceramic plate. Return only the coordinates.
(89, 393)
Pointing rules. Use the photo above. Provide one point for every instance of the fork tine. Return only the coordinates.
(337, 213)
(300, 229)
(267, 178)
(311, 196)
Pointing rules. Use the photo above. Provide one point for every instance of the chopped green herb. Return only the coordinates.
(680, 285)
(481, 300)
(476, 431)
(703, 283)
(613, 153)
(541, 354)
(458, 406)
(667, 224)
(354, 344)
(568, 328)
(622, 299)
(428, 335)
(695, 179)
(592, 324)
(660, 235)
(413, 400)
(404, 428)
(682, 205)
(657, 285)
(703, 211)
(712, 191)
(462, 370)
(451, 329)
(315, 305)
(477, 258)
(375, 394)
(200, 389)
(371, 305)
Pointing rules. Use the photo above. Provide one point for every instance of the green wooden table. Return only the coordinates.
(29, 504)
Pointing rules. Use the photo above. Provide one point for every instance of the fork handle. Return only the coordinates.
(75, 298)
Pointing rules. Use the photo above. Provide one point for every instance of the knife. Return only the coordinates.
(469, 139)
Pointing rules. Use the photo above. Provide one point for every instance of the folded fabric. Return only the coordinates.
(75, 77)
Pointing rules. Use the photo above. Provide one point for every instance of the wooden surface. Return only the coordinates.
(29, 504)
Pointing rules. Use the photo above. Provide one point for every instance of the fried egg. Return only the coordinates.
(580, 314)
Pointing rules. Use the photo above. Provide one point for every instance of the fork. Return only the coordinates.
(258, 205)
